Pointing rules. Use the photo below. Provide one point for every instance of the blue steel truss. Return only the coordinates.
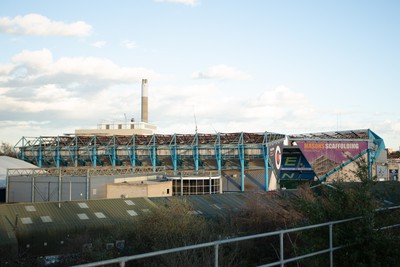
(177, 152)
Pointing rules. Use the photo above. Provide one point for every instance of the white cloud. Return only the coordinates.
(278, 109)
(45, 98)
(39, 67)
(12, 131)
(221, 72)
(21, 124)
(65, 92)
(35, 24)
(39, 59)
(184, 2)
(129, 44)
(99, 44)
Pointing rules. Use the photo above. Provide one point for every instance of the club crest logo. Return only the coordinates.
(278, 157)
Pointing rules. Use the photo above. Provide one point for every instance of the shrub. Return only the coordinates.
(366, 245)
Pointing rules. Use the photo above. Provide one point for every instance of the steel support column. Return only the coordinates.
(57, 156)
(113, 152)
(173, 151)
(132, 152)
(93, 156)
(196, 152)
(133, 156)
(265, 151)
(23, 149)
(370, 156)
(218, 156)
(76, 152)
(151, 147)
(266, 163)
(154, 157)
(40, 155)
(73, 152)
(241, 158)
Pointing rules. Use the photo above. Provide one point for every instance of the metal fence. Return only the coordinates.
(281, 233)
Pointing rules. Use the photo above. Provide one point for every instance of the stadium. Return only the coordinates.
(87, 164)
(96, 179)
(81, 167)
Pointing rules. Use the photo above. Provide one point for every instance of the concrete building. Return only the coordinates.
(131, 127)
(393, 169)
(140, 189)
(88, 183)
(202, 184)
(120, 128)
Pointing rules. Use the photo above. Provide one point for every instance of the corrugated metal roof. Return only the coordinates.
(44, 226)
(7, 235)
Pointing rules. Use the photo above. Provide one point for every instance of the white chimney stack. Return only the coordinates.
(145, 101)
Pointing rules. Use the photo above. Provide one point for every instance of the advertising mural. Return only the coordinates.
(327, 155)
(295, 166)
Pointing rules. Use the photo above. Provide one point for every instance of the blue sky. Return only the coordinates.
(252, 66)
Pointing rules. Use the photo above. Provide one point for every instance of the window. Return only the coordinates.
(83, 205)
(132, 212)
(30, 208)
(46, 219)
(100, 215)
(83, 216)
(26, 220)
(129, 202)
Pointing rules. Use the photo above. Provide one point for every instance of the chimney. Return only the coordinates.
(145, 101)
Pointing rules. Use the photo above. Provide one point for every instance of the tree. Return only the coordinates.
(366, 244)
(6, 150)
(174, 224)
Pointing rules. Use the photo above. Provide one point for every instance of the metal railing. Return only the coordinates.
(216, 244)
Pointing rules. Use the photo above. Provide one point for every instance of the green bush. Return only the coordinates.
(366, 244)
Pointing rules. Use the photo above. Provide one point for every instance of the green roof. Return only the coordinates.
(42, 227)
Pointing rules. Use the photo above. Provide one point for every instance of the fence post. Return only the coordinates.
(281, 248)
(216, 247)
(331, 244)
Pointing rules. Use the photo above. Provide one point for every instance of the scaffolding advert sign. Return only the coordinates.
(328, 155)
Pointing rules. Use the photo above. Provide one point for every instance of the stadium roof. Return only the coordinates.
(350, 134)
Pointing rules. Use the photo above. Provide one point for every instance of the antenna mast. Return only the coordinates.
(195, 122)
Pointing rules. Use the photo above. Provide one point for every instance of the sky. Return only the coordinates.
(290, 66)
